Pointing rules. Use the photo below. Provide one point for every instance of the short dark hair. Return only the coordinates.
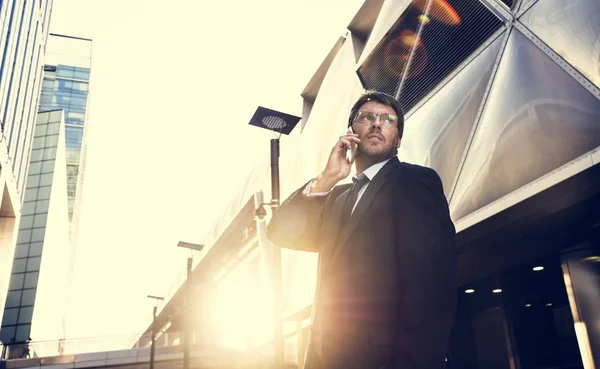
(381, 98)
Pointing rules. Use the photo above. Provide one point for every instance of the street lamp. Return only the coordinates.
(187, 321)
(279, 123)
(153, 330)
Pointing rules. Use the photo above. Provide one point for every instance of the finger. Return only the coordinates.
(347, 144)
(350, 138)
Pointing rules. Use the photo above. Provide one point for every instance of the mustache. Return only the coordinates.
(375, 134)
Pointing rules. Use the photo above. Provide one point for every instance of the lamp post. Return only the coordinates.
(277, 122)
(153, 330)
(187, 321)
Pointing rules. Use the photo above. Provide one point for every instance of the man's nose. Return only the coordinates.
(376, 123)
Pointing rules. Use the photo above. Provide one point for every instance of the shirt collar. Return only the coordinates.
(372, 171)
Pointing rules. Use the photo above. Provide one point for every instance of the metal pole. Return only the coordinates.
(278, 303)
(152, 337)
(187, 312)
(275, 172)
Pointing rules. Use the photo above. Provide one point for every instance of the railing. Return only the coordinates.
(87, 345)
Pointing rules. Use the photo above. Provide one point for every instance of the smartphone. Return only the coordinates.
(351, 154)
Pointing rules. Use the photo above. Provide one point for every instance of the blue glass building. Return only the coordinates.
(43, 259)
(23, 35)
(66, 87)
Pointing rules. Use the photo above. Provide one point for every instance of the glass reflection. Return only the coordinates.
(427, 43)
(572, 29)
(436, 134)
(536, 119)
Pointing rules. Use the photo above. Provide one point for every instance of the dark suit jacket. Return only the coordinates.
(386, 292)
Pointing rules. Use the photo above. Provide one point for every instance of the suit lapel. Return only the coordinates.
(333, 229)
(363, 205)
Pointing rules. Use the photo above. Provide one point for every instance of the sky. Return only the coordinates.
(173, 87)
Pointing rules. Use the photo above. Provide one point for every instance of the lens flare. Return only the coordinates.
(440, 10)
(424, 19)
(397, 54)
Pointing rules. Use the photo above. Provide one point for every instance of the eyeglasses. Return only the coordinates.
(367, 117)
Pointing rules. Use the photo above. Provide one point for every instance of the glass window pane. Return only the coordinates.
(42, 206)
(49, 154)
(40, 130)
(10, 316)
(21, 250)
(28, 297)
(81, 86)
(24, 237)
(64, 72)
(35, 168)
(74, 135)
(8, 333)
(51, 141)
(23, 332)
(19, 265)
(82, 75)
(25, 315)
(13, 299)
(16, 281)
(572, 29)
(46, 179)
(35, 249)
(53, 128)
(40, 220)
(33, 264)
(31, 280)
(56, 116)
(33, 180)
(536, 119)
(37, 234)
(36, 155)
(26, 222)
(30, 195)
(44, 192)
(48, 166)
(38, 142)
(28, 208)
(42, 118)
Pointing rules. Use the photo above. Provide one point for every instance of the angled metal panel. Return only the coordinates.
(437, 133)
(571, 29)
(524, 6)
(536, 119)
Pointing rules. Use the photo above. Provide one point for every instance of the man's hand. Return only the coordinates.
(338, 167)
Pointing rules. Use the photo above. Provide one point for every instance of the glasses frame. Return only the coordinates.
(386, 123)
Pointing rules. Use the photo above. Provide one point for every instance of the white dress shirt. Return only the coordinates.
(370, 172)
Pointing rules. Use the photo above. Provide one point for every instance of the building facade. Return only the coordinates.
(66, 86)
(38, 291)
(37, 296)
(23, 34)
(502, 99)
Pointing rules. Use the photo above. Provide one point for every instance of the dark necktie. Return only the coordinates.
(359, 183)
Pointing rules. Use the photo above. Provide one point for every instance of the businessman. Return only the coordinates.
(387, 266)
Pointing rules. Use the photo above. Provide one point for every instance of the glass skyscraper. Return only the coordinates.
(38, 296)
(23, 34)
(36, 299)
(66, 87)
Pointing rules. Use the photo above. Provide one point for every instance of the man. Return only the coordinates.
(386, 274)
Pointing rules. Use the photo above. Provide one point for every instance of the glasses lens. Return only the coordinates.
(389, 118)
(365, 116)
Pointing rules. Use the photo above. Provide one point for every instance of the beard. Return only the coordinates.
(375, 154)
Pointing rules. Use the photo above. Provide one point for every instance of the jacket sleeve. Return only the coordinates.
(427, 274)
(295, 224)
